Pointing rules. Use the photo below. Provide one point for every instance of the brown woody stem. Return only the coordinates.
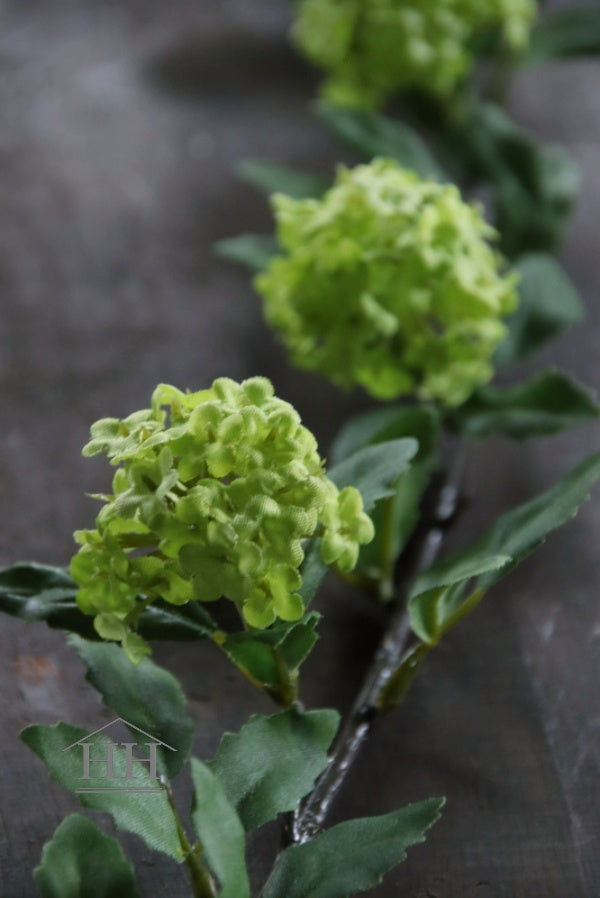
(309, 818)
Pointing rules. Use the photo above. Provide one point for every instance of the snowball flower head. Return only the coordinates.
(215, 494)
(372, 48)
(388, 282)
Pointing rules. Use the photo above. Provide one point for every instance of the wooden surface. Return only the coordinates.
(120, 126)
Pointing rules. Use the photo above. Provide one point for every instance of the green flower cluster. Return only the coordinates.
(388, 282)
(214, 495)
(372, 48)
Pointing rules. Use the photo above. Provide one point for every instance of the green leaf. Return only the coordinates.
(279, 179)
(366, 428)
(267, 655)
(145, 813)
(436, 602)
(39, 592)
(28, 578)
(432, 614)
(550, 402)
(312, 571)
(298, 639)
(519, 531)
(396, 517)
(82, 860)
(428, 615)
(534, 186)
(272, 762)
(566, 34)
(220, 831)
(352, 856)
(458, 569)
(548, 303)
(374, 469)
(372, 135)
(254, 251)
(143, 695)
(162, 620)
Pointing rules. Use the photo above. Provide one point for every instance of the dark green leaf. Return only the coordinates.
(272, 762)
(458, 568)
(548, 303)
(371, 135)
(279, 179)
(374, 469)
(298, 639)
(352, 856)
(143, 695)
(145, 813)
(262, 653)
(28, 578)
(387, 423)
(81, 860)
(394, 690)
(162, 620)
(547, 404)
(252, 250)
(519, 531)
(255, 657)
(396, 517)
(437, 595)
(565, 34)
(313, 571)
(534, 186)
(220, 831)
(434, 612)
(38, 592)
(428, 615)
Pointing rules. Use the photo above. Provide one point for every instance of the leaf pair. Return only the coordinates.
(248, 782)
(534, 187)
(452, 587)
(271, 658)
(263, 770)
(256, 774)
(546, 404)
(550, 402)
(439, 595)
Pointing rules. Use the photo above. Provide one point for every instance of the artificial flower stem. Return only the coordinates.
(203, 884)
(287, 693)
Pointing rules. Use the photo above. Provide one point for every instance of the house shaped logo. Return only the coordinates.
(115, 766)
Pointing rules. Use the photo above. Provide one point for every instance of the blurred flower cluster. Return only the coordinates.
(373, 48)
(388, 282)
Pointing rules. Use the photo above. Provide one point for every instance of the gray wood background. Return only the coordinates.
(120, 125)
